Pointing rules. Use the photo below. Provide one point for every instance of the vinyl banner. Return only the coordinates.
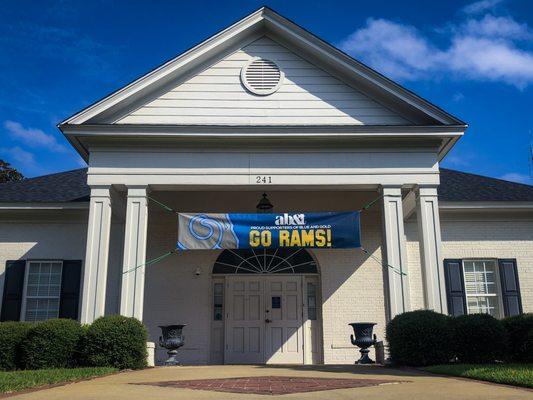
(333, 230)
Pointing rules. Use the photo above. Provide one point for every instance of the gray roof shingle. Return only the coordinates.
(463, 186)
(71, 186)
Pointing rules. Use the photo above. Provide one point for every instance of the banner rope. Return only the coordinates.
(150, 262)
(366, 207)
(164, 206)
(381, 262)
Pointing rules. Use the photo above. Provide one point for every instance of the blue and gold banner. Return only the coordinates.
(333, 230)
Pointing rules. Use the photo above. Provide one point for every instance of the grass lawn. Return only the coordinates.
(13, 381)
(510, 374)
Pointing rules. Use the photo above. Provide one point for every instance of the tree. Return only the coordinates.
(9, 173)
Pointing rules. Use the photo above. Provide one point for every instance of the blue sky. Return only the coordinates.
(472, 58)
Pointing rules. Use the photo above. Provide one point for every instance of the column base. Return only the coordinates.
(150, 354)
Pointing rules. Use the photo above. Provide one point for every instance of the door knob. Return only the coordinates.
(268, 321)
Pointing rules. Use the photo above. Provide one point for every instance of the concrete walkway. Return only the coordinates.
(414, 385)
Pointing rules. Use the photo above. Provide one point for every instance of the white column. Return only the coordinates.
(427, 209)
(132, 291)
(96, 256)
(395, 251)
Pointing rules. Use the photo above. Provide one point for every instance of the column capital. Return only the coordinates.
(138, 190)
(391, 190)
(426, 190)
(100, 190)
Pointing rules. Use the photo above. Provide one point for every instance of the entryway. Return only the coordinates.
(269, 310)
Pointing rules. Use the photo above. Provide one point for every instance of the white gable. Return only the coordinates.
(308, 96)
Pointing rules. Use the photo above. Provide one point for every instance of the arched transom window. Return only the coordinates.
(271, 261)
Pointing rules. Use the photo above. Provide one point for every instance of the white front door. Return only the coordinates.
(264, 320)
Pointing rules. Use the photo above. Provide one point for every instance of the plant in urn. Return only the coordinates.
(363, 339)
(172, 340)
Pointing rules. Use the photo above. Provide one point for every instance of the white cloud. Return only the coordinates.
(397, 50)
(491, 60)
(484, 49)
(456, 161)
(23, 159)
(34, 137)
(516, 177)
(492, 26)
(480, 6)
(458, 97)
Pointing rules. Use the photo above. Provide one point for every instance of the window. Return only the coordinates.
(42, 290)
(311, 301)
(482, 288)
(218, 301)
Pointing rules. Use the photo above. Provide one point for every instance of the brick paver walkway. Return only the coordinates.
(270, 385)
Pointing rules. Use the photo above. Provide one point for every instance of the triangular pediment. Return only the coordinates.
(321, 86)
(306, 95)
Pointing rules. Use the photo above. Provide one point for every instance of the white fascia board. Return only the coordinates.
(79, 205)
(485, 205)
(448, 131)
(76, 133)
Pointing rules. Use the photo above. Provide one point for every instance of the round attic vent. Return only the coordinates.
(262, 77)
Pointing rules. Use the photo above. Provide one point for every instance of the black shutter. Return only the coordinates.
(512, 303)
(455, 288)
(70, 289)
(13, 287)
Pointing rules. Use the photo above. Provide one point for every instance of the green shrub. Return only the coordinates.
(520, 331)
(52, 344)
(419, 338)
(116, 341)
(528, 347)
(81, 356)
(12, 334)
(479, 338)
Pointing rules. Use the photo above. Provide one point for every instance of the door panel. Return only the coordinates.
(284, 334)
(244, 321)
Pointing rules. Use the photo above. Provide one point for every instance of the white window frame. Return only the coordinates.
(25, 287)
(498, 294)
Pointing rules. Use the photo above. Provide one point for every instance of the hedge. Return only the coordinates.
(420, 338)
(520, 331)
(12, 334)
(52, 344)
(116, 341)
(479, 338)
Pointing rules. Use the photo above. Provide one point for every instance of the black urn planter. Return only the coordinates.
(172, 340)
(363, 339)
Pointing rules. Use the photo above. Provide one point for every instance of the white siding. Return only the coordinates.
(308, 96)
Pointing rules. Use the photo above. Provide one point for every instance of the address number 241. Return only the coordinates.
(263, 179)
